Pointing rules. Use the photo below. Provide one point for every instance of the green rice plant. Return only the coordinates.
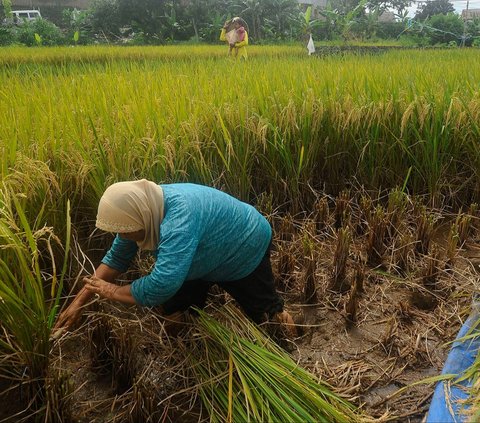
(29, 295)
(243, 375)
(98, 115)
(85, 55)
(475, 411)
(171, 114)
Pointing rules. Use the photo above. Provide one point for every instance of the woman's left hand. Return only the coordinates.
(99, 286)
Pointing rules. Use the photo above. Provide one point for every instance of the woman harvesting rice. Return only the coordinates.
(234, 32)
(200, 236)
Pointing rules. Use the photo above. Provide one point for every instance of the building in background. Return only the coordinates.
(317, 5)
(470, 14)
(387, 17)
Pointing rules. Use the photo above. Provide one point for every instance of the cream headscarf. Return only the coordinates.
(131, 206)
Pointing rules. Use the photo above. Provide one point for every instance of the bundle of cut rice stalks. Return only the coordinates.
(243, 376)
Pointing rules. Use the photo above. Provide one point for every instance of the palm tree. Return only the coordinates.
(253, 11)
(282, 14)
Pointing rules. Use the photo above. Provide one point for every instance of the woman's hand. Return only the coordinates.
(108, 290)
(72, 313)
(103, 288)
(68, 317)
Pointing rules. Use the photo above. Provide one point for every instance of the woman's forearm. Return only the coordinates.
(124, 295)
(83, 297)
(106, 273)
(108, 290)
(222, 35)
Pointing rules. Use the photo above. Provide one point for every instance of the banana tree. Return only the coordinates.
(308, 24)
(343, 22)
(7, 8)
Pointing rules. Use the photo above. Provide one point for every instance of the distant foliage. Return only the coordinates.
(7, 35)
(7, 7)
(390, 30)
(29, 32)
(140, 22)
(76, 26)
(449, 28)
(434, 7)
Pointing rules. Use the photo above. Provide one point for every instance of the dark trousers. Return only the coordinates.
(256, 293)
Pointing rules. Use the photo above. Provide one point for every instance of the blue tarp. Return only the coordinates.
(447, 402)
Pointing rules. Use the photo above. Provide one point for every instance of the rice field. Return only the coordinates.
(367, 166)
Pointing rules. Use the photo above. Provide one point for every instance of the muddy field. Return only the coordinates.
(386, 324)
(377, 289)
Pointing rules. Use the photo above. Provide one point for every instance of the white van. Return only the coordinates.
(28, 15)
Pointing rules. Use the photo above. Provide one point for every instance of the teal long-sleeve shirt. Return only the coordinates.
(205, 234)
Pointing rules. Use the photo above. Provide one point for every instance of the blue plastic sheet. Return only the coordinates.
(448, 399)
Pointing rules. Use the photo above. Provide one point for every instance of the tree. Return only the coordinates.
(399, 6)
(7, 8)
(434, 7)
(103, 18)
(210, 31)
(342, 21)
(77, 26)
(253, 12)
(445, 28)
(145, 16)
(343, 7)
(307, 23)
(281, 16)
(197, 12)
(39, 32)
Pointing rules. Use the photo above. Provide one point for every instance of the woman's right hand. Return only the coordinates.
(68, 317)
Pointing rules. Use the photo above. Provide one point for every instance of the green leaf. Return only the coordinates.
(308, 14)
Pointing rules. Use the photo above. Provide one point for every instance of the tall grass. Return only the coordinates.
(74, 120)
(31, 280)
(14, 56)
(280, 122)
